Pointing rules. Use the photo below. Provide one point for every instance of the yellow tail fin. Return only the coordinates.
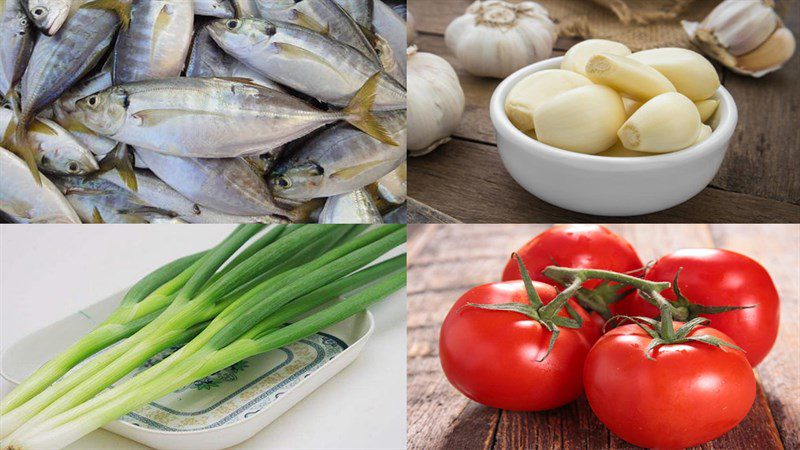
(119, 159)
(121, 7)
(359, 112)
(16, 139)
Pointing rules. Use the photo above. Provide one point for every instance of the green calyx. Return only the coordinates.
(547, 315)
(684, 310)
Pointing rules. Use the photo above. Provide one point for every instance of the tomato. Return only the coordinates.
(574, 246)
(715, 277)
(493, 356)
(689, 394)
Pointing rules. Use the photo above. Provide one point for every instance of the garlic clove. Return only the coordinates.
(619, 151)
(691, 74)
(537, 88)
(579, 54)
(628, 76)
(705, 132)
(741, 25)
(706, 108)
(630, 105)
(584, 119)
(770, 56)
(666, 123)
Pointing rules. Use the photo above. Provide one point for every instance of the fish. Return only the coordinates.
(221, 9)
(353, 207)
(390, 27)
(122, 8)
(245, 8)
(156, 43)
(16, 36)
(360, 10)
(55, 149)
(393, 187)
(48, 15)
(393, 65)
(306, 61)
(206, 58)
(60, 61)
(26, 201)
(339, 160)
(243, 71)
(227, 185)
(110, 190)
(214, 117)
(323, 16)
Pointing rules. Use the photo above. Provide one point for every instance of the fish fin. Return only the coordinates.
(121, 7)
(21, 145)
(96, 216)
(352, 172)
(16, 210)
(295, 52)
(153, 117)
(359, 112)
(119, 159)
(162, 22)
(304, 20)
(74, 126)
(42, 128)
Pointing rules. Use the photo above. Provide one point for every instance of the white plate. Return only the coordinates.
(221, 410)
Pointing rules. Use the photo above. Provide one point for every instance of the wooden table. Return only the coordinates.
(465, 180)
(447, 260)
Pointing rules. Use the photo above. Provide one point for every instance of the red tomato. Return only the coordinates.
(492, 356)
(691, 393)
(715, 277)
(574, 246)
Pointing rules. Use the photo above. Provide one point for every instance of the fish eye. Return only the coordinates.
(284, 182)
(45, 161)
(232, 24)
(92, 101)
(72, 167)
(39, 11)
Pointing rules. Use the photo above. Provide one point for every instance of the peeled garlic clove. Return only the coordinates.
(667, 123)
(630, 105)
(579, 54)
(706, 108)
(584, 119)
(690, 73)
(628, 76)
(705, 132)
(770, 56)
(537, 88)
(435, 101)
(619, 151)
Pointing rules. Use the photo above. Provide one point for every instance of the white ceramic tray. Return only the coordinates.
(218, 411)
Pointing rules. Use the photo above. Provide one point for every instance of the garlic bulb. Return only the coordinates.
(496, 38)
(584, 119)
(435, 101)
(745, 35)
(667, 123)
(534, 90)
(411, 28)
(579, 54)
(690, 73)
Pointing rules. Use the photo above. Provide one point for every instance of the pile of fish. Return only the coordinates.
(202, 111)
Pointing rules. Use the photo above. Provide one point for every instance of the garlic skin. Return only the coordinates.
(667, 123)
(579, 54)
(435, 101)
(411, 28)
(706, 108)
(583, 120)
(736, 28)
(534, 90)
(496, 38)
(690, 73)
(628, 76)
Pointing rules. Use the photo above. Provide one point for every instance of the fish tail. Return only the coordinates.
(16, 137)
(359, 112)
(121, 7)
(119, 159)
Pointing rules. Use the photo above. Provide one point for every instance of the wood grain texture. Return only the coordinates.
(449, 259)
(758, 181)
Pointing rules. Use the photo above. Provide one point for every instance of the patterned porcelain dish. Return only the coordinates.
(218, 411)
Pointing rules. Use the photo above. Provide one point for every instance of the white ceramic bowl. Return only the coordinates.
(609, 186)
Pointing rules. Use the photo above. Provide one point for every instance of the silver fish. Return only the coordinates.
(25, 201)
(339, 160)
(211, 117)
(221, 9)
(206, 58)
(390, 27)
(322, 16)
(156, 43)
(245, 8)
(393, 187)
(49, 15)
(353, 207)
(16, 36)
(360, 10)
(306, 61)
(56, 150)
(228, 185)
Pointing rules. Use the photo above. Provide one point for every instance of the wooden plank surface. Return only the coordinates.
(447, 260)
(758, 181)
